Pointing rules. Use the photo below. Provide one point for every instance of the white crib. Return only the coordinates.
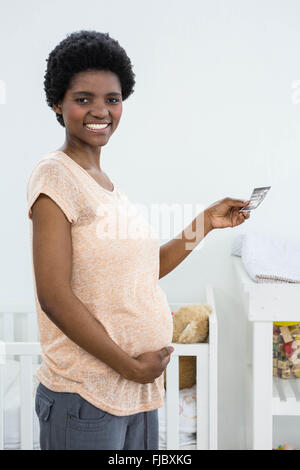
(19, 322)
(206, 385)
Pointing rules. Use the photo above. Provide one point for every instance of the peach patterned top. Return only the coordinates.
(115, 271)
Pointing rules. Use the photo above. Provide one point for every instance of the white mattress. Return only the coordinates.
(187, 411)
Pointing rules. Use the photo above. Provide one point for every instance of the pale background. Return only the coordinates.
(213, 114)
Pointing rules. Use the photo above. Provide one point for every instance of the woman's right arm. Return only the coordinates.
(52, 261)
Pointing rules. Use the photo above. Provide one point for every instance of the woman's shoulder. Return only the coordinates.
(52, 159)
(52, 166)
(52, 176)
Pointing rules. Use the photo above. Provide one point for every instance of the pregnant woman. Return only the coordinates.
(105, 324)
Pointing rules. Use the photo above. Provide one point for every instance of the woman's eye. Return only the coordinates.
(78, 100)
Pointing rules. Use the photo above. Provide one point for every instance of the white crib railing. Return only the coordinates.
(12, 326)
(206, 384)
(29, 352)
(19, 321)
(26, 352)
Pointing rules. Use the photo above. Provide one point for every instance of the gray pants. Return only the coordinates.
(68, 422)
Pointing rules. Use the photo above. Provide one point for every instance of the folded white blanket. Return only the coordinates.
(268, 259)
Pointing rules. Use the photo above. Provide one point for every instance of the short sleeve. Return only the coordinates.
(54, 179)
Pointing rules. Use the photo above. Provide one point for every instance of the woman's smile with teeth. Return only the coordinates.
(97, 127)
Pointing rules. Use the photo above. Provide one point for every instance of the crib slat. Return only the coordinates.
(26, 403)
(2, 365)
(1, 406)
(213, 370)
(32, 330)
(8, 326)
(172, 401)
(202, 399)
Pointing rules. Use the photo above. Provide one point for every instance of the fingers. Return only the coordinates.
(239, 217)
(166, 361)
(244, 216)
(237, 202)
(165, 355)
(165, 352)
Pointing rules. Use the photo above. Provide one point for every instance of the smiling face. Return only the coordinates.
(93, 98)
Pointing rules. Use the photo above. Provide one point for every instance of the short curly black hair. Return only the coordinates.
(85, 50)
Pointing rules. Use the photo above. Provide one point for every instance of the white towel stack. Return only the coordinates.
(268, 259)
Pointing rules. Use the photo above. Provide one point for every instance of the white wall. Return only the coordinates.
(212, 116)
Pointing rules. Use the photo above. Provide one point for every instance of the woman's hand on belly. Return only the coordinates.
(150, 365)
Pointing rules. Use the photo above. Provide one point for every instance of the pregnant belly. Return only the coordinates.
(143, 331)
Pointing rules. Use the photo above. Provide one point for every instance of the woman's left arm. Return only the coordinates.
(221, 214)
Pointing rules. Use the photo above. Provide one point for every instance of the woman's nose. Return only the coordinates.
(99, 111)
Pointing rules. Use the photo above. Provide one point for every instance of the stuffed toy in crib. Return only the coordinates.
(190, 325)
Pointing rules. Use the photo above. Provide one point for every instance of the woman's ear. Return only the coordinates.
(57, 108)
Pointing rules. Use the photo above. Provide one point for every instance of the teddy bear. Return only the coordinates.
(190, 325)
